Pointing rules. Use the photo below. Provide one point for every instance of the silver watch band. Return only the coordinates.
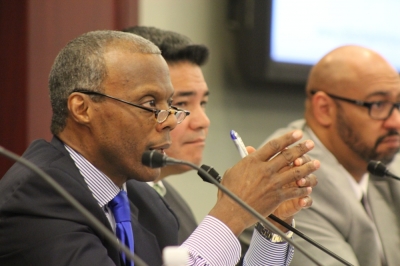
(271, 236)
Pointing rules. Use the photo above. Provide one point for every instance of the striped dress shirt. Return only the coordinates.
(212, 243)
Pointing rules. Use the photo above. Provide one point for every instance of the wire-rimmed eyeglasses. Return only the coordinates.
(379, 110)
(160, 115)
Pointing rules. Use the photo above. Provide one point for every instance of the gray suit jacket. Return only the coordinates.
(337, 219)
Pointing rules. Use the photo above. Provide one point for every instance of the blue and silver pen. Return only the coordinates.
(237, 140)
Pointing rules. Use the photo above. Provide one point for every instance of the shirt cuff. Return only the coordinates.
(264, 252)
(213, 243)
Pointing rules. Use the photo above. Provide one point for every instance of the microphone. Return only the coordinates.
(93, 220)
(379, 169)
(215, 175)
(154, 159)
(161, 160)
(211, 171)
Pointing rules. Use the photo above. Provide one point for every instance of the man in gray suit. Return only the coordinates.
(352, 115)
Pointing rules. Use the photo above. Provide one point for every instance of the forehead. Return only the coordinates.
(376, 80)
(136, 72)
(187, 78)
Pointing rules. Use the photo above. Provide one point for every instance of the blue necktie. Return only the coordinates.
(123, 227)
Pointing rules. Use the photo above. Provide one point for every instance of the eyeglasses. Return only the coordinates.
(380, 110)
(161, 115)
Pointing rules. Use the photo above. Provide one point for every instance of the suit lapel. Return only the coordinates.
(85, 196)
(386, 218)
(154, 226)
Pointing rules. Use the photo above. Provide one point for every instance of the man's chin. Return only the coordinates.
(388, 156)
(180, 169)
(148, 176)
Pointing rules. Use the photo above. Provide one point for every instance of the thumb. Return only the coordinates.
(250, 149)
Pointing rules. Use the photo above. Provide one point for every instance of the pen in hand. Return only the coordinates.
(237, 140)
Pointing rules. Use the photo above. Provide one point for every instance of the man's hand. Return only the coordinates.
(266, 183)
(289, 208)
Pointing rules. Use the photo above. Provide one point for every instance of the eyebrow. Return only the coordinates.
(379, 93)
(189, 93)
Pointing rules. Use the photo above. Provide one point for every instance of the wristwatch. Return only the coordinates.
(271, 236)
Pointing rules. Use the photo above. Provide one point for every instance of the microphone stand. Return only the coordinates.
(212, 172)
(95, 223)
(246, 207)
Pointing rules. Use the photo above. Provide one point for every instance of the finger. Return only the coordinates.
(276, 145)
(288, 156)
(305, 202)
(310, 180)
(297, 192)
(302, 160)
(294, 174)
(299, 161)
(250, 149)
(281, 161)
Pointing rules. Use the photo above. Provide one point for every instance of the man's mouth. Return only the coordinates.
(391, 140)
(196, 141)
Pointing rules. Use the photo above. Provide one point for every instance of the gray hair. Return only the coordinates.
(81, 64)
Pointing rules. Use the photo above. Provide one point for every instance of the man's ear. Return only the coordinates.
(323, 108)
(78, 106)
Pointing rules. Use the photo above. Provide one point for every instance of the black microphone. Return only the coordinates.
(93, 220)
(215, 174)
(211, 171)
(379, 169)
(155, 159)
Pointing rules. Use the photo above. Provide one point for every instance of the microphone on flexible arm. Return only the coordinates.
(211, 171)
(155, 159)
(379, 169)
(216, 175)
(93, 220)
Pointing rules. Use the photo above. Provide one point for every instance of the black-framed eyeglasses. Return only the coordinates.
(379, 110)
(160, 115)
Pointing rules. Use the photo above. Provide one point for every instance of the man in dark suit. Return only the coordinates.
(111, 96)
(184, 59)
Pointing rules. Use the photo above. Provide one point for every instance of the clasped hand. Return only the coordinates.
(273, 179)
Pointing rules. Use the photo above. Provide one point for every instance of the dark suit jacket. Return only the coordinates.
(39, 227)
(187, 222)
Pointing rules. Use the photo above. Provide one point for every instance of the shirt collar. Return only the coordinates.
(102, 188)
(159, 187)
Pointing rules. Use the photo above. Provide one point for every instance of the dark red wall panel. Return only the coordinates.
(32, 32)
(13, 78)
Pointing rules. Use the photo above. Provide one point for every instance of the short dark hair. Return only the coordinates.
(81, 64)
(174, 47)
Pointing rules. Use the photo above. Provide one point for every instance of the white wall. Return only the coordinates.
(253, 113)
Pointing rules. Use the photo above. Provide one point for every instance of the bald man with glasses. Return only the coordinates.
(352, 114)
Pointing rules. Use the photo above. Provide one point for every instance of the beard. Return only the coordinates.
(355, 141)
